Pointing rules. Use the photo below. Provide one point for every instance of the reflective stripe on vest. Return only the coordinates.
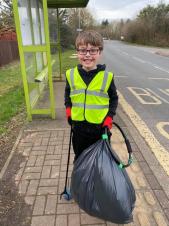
(89, 102)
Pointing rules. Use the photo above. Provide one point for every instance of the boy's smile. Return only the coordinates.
(88, 56)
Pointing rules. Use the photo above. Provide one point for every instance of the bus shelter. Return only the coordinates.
(32, 27)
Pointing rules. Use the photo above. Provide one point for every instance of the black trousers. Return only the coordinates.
(84, 135)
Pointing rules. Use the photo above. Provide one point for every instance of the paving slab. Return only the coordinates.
(36, 175)
(40, 184)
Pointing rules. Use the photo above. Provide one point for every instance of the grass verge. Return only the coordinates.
(11, 94)
(10, 104)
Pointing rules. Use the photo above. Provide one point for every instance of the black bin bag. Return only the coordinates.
(100, 184)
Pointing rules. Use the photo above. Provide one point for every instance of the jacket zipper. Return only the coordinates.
(85, 103)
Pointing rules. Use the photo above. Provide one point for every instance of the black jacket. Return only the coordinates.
(87, 77)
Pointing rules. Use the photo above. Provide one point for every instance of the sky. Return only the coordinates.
(117, 9)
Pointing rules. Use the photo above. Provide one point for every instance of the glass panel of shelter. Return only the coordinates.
(32, 30)
(25, 22)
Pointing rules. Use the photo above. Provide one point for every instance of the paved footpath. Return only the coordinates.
(41, 153)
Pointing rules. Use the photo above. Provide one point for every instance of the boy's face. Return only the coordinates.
(88, 56)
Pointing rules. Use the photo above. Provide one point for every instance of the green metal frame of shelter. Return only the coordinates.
(41, 49)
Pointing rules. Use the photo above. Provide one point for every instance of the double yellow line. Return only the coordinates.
(159, 151)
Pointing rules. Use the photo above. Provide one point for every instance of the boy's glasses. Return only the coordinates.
(93, 51)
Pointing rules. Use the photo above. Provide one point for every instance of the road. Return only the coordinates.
(142, 79)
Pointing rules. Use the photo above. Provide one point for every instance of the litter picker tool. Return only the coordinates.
(66, 193)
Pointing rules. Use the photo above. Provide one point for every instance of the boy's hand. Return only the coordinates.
(108, 122)
(68, 115)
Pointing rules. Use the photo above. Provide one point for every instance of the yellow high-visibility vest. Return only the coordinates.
(90, 103)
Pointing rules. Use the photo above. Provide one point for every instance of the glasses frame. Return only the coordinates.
(88, 51)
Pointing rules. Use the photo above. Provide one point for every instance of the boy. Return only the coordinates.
(90, 93)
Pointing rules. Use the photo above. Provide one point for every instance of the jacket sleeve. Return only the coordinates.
(68, 102)
(113, 101)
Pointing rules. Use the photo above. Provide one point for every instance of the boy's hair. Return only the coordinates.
(89, 37)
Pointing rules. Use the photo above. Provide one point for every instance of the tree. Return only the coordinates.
(150, 27)
(105, 23)
(156, 21)
(6, 14)
(80, 18)
(86, 19)
(105, 29)
(65, 31)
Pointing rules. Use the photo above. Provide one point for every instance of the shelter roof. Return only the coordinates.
(67, 3)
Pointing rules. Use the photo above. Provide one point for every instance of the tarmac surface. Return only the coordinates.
(36, 171)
